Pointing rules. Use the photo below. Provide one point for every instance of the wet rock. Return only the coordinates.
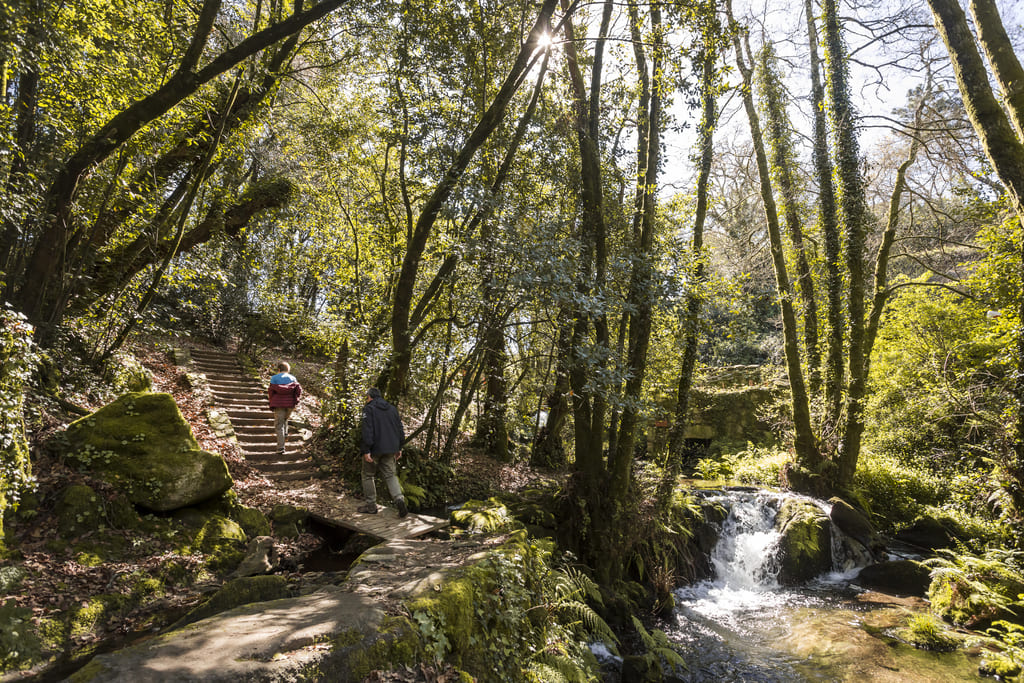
(898, 577)
(851, 522)
(142, 445)
(805, 545)
(930, 533)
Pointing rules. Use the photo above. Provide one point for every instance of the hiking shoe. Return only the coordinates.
(403, 509)
(367, 508)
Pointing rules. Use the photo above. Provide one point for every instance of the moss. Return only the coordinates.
(397, 644)
(1000, 667)
(288, 514)
(142, 445)
(805, 548)
(252, 521)
(925, 632)
(79, 510)
(239, 592)
(223, 541)
(89, 672)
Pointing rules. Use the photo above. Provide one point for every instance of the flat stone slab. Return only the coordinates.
(279, 640)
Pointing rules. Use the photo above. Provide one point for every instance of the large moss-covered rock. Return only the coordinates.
(805, 547)
(141, 444)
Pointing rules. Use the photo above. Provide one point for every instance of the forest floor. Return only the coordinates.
(59, 581)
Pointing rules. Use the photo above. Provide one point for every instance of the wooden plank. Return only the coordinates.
(386, 524)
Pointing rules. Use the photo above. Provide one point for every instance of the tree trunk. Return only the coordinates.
(401, 338)
(691, 323)
(854, 211)
(780, 146)
(42, 296)
(1006, 152)
(803, 440)
(829, 219)
(640, 295)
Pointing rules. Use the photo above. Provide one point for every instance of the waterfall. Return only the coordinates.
(743, 558)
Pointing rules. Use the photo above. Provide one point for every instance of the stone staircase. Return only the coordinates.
(244, 401)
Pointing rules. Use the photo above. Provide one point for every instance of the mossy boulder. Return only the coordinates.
(142, 445)
(288, 520)
(805, 545)
(239, 592)
(897, 577)
(221, 539)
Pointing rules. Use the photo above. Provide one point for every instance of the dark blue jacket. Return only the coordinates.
(382, 428)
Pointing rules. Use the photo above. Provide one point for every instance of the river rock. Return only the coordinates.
(142, 445)
(898, 577)
(853, 523)
(929, 533)
(805, 545)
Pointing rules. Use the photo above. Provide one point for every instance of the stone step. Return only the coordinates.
(258, 449)
(229, 364)
(250, 421)
(237, 386)
(237, 395)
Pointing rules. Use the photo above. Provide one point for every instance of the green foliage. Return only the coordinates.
(761, 465)
(19, 643)
(512, 617)
(1004, 651)
(658, 648)
(488, 516)
(974, 590)
(896, 491)
(18, 359)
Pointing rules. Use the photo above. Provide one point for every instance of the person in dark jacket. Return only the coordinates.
(383, 435)
(283, 393)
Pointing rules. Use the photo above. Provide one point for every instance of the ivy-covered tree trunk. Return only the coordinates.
(854, 212)
(1003, 146)
(828, 218)
(782, 159)
(807, 455)
(17, 361)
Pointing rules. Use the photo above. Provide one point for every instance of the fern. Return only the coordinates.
(658, 645)
(489, 517)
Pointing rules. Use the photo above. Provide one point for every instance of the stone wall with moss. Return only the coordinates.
(18, 359)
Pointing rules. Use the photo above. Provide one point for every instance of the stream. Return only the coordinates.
(742, 626)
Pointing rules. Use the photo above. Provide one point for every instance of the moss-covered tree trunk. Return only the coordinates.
(691, 322)
(853, 211)
(828, 219)
(1002, 144)
(782, 158)
(807, 454)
